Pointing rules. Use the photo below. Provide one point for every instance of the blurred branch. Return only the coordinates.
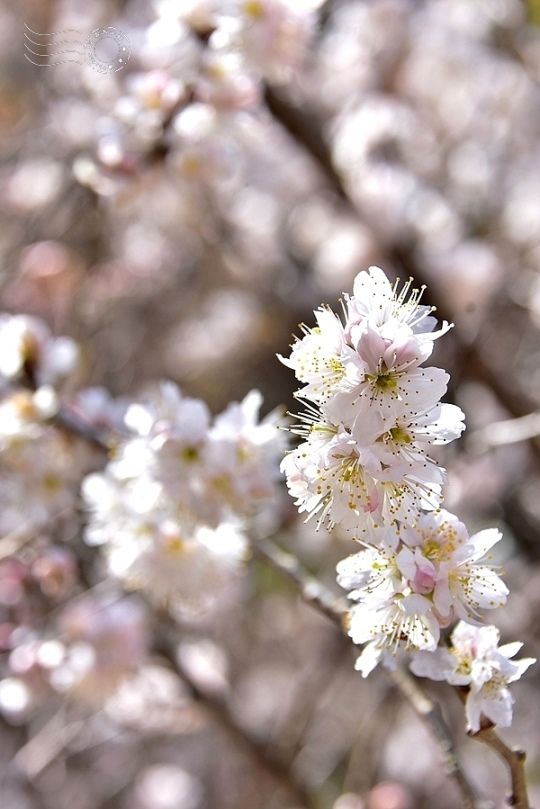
(218, 709)
(311, 590)
(47, 744)
(312, 685)
(499, 433)
(16, 539)
(65, 420)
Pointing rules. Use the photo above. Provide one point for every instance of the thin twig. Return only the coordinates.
(16, 539)
(430, 714)
(66, 420)
(500, 433)
(311, 590)
(47, 743)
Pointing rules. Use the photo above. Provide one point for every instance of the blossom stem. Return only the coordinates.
(515, 759)
(430, 714)
(311, 590)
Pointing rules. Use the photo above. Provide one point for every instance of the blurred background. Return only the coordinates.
(179, 214)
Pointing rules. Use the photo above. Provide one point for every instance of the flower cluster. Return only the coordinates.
(40, 466)
(170, 507)
(417, 580)
(374, 410)
(374, 413)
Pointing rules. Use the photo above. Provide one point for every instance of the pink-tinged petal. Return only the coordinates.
(443, 598)
(371, 347)
(418, 570)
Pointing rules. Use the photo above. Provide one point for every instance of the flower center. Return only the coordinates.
(399, 435)
(382, 382)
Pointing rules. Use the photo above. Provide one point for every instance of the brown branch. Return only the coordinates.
(515, 760)
(514, 757)
(65, 420)
(17, 539)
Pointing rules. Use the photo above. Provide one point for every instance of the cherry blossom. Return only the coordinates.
(476, 660)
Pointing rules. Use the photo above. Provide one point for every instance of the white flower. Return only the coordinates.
(170, 508)
(316, 359)
(182, 568)
(28, 350)
(96, 406)
(40, 466)
(388, 612)
(459, 581)
(243, 455)
(357, 485)
(375, 298)
(273, 36)
(385, 625)
(371, 384)
(476, 660)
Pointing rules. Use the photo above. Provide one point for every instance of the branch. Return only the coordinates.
(65, 420)
(311, 590)
(17, 539)
(430, 714)
(515, 758)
